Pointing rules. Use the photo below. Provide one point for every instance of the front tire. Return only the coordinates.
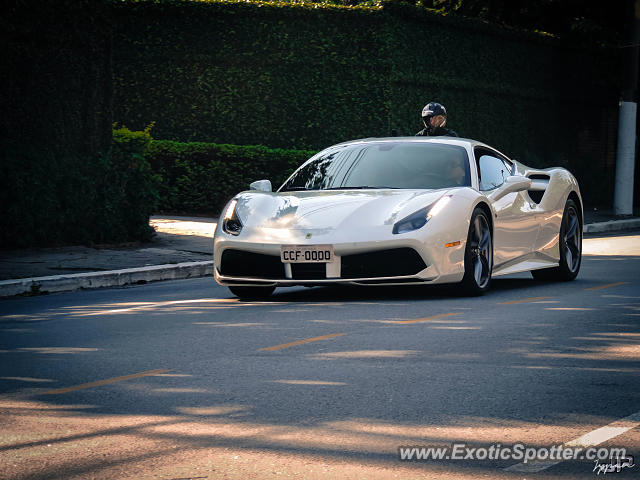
(570, 248)
(252, 293)
(478, 255)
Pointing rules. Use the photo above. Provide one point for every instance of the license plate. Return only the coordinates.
(306, 253)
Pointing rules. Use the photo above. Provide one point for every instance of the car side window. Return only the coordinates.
(493, 172)
(507, 162)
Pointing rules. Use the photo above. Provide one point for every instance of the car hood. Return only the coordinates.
(330, 209)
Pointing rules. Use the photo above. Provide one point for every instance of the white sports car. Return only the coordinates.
(390, 211)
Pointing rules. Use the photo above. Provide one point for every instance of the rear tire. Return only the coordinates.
(570, 245)
(478, 255)
(252, 293)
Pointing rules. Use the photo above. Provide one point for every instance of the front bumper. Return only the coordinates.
(252, 264)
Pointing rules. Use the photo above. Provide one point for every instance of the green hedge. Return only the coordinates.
(202, 177)
(60, 180)
(308, 76)
(56, 75)
(55, 199)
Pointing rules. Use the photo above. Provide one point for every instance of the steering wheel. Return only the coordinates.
(433, 180)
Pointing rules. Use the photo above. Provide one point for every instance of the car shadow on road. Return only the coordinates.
(405, 292)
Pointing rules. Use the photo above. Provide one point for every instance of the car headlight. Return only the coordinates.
(420, 218)
(231, 224)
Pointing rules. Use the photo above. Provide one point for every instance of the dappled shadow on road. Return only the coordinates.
(325, 410)
(326, 426)
(215, 445)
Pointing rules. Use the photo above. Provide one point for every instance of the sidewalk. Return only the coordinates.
(181, 248)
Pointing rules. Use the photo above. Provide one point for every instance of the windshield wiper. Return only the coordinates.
(359, 187)
(304, 189)
(295, 189)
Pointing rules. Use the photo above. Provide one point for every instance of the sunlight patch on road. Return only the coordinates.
(212, 410)
(405, 321)
(523, 300)
(440, 327)
(427, 319)
(581, 309)
(608, 285)
(168, 306)
(179, 390)
(612, 246)
(457, 357)
(291, 310)
(28, 379)
(620, 334)
(182, 227)
(107, 381)
(307, 382)
(609, 352)
(365, 354)
(300, 342)
(57, 350)
(327, 304)
(223, 324)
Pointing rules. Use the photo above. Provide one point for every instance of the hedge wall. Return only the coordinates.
(54, 198)
(56, 75)
(301, 76)
(55, 97)
(201, 177)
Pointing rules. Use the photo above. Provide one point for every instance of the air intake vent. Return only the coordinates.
(539, 184)
(237, 263)
(395, 262)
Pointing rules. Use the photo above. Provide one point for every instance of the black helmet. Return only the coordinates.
(431, 110)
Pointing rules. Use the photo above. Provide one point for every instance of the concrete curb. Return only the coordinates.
(131, 276)
(612, 226)
(111, 278)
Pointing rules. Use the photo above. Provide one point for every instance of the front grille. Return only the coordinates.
(395, 262)
(309, 271)
(238, 263)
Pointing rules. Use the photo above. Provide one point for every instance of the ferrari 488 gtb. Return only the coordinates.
(390, 211)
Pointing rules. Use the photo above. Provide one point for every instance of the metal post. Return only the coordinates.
(625, 159)
(626, 153)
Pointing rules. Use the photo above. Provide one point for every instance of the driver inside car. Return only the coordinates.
(455, 171)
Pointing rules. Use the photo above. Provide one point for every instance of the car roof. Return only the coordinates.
(441, 140)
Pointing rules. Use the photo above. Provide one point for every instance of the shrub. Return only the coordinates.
(201, 177)
(54, 198)
(129, 187)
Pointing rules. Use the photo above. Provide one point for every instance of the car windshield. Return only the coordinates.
(411, 165)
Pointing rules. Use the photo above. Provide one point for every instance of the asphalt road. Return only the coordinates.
(181, 380)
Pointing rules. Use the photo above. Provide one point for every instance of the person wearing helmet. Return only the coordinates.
(434, 118)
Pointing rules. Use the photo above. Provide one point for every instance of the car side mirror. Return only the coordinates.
(261, 186)
(513, 183)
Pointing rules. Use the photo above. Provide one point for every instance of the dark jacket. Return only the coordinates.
(437, 132)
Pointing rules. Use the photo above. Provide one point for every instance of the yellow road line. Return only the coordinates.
(426, 319)
(105, 382)
(524, 300)
(608, 285)
(300, 342)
